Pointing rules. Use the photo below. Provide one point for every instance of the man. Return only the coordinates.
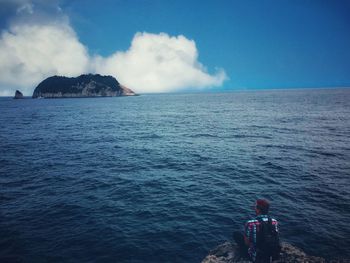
(260, 241)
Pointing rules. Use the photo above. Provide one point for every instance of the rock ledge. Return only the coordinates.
(228, 253)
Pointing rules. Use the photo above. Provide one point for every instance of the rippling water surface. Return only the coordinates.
(165, 178)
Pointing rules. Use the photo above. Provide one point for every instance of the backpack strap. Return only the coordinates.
(269, 219)
(268, 224)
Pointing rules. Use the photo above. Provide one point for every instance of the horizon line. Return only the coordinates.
(213, 90)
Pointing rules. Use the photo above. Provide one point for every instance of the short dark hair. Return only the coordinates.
(263, 205)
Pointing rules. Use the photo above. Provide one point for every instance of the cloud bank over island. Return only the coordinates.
(36, 45)
(30, 53)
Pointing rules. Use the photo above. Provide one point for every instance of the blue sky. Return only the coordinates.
(257, 44)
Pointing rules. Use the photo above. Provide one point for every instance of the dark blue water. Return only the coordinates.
(165, 178)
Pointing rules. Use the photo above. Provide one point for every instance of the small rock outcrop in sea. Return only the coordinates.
(83, 86)
(18, 95)
(228, 253)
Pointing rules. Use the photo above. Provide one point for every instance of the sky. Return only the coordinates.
(173, 46)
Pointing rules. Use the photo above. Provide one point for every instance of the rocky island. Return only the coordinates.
(88, 85)
(18, 95)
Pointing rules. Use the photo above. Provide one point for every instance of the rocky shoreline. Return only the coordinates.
(228, 253)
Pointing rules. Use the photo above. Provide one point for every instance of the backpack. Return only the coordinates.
(268, 245)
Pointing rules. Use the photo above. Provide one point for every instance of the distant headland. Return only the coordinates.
(84, 86)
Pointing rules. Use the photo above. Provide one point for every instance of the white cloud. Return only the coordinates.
(154, 62)
(28, 8)
(158, 63)
(30, 53)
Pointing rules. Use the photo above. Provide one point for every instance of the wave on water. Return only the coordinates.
(141, 180)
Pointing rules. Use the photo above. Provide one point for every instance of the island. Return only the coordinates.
(84, 86)
(18, 95)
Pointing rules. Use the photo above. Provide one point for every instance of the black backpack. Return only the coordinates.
(268, 245)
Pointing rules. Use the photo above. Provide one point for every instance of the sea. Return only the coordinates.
(168, 177)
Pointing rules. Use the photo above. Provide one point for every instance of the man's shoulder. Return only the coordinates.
(258, 219)
(252, 222)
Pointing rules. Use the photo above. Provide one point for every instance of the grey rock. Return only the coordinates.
(228, 253)
(18, 95)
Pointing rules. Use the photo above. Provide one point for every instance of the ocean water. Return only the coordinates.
(166, 178)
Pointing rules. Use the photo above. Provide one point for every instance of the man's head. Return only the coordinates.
(262, 207)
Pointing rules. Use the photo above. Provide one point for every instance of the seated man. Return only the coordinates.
(260, 241)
